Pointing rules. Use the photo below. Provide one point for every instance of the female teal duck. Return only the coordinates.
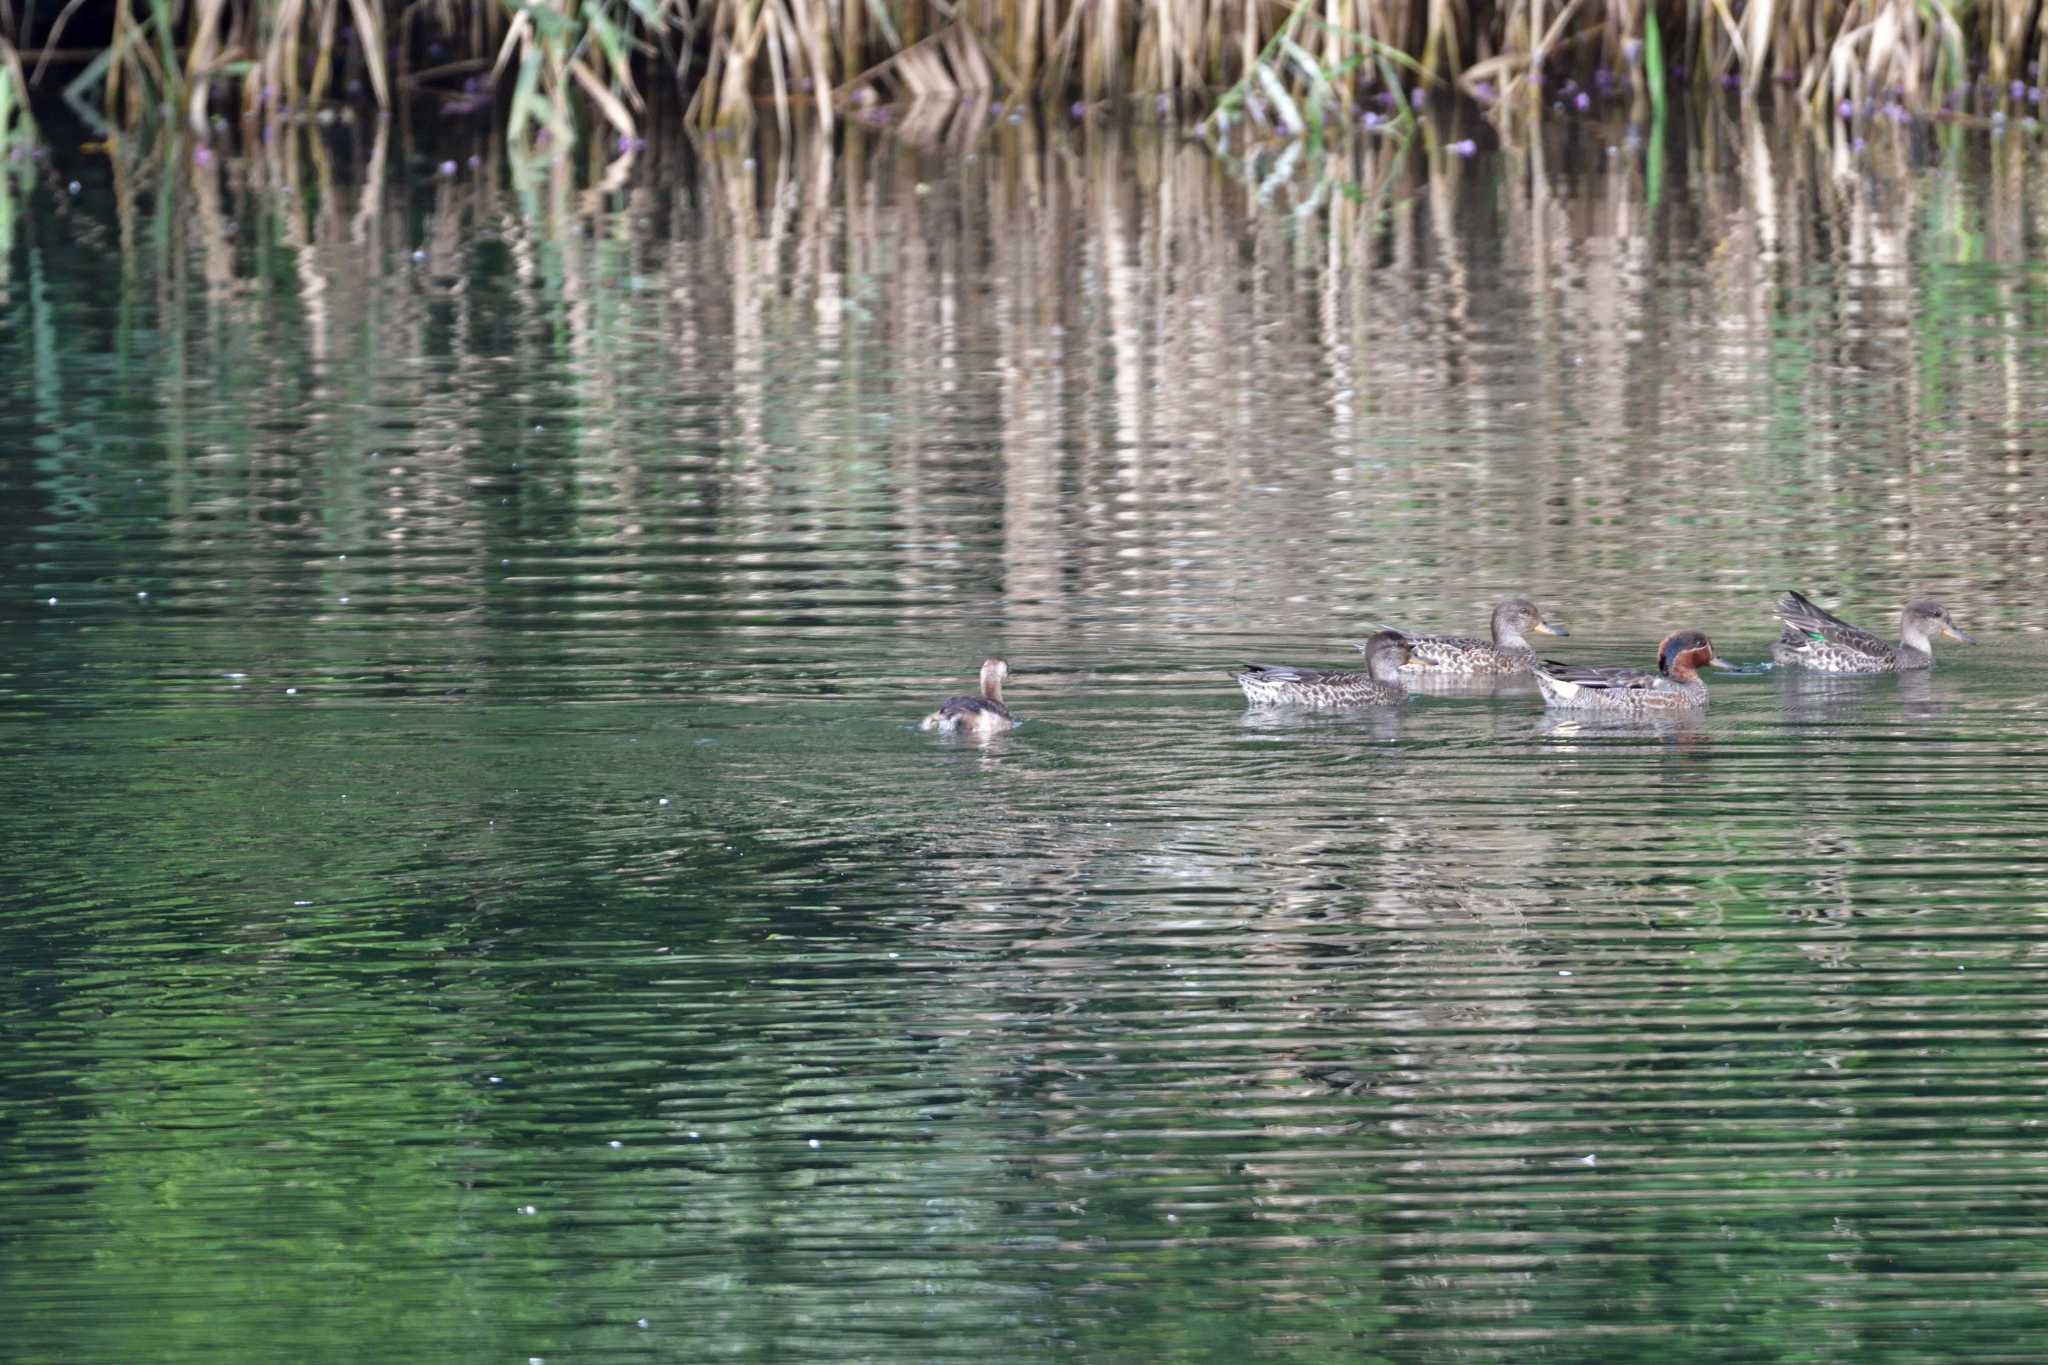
(1675, 686)
(1827, 644)
(1379, 685)
(1508, 652)
(982, 715)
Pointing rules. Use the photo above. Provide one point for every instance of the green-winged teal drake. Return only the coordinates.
(1675, 686)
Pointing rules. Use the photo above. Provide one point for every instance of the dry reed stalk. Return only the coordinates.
(571, 65)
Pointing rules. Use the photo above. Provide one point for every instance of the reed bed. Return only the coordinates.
(560, 69)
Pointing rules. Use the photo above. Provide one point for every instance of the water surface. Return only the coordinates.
(473, 888)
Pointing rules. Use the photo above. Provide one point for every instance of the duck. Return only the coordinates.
(1508, 652)
(982, 715)
(1824, 642)
(1675, 686)
(1380, 685)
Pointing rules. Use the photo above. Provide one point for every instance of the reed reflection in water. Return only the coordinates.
(473, 729)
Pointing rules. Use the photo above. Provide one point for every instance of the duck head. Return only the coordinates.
(1515, 618)
(1684, 653)
(1924, 620)
(1386, 654)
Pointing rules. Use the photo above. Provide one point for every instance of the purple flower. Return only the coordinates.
(1078, 109)
(1845, 110)
(1372, 118)
(1582, 101)
(1464, 147)
(202, 155)
(2018, 90)
(1483, 92)
(1858, 145)
(1632, 51)
(996, 108)
(447, 168)
(1163, 104)
(1418, 97)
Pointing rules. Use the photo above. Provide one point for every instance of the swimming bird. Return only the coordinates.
(1380, 685)
(1675, 686)
(1826, 643)
(1508, 652)
(982, 715)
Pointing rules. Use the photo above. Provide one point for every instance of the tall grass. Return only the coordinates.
(562, 68)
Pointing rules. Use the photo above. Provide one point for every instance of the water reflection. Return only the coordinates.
(474, 727)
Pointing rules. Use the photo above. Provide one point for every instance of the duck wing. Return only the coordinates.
(1436, 651)
(964, 708)
(1812, 623)
(1307, 677)
(1601, 677)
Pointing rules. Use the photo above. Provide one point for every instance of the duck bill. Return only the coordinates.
(1549, 628)
(1718, 662)
(1955, 633)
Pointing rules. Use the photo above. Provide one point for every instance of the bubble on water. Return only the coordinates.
(1589, 1159)
(693, 1135)
(814, 1144)
(302, 903)
(76, 187)
(53, 601)
(664, 800)
(616, 1143)
(344, 599)
(640, 1322)
(142, 596)
(291, 691)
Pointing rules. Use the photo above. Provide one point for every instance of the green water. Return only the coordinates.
(473, 889)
